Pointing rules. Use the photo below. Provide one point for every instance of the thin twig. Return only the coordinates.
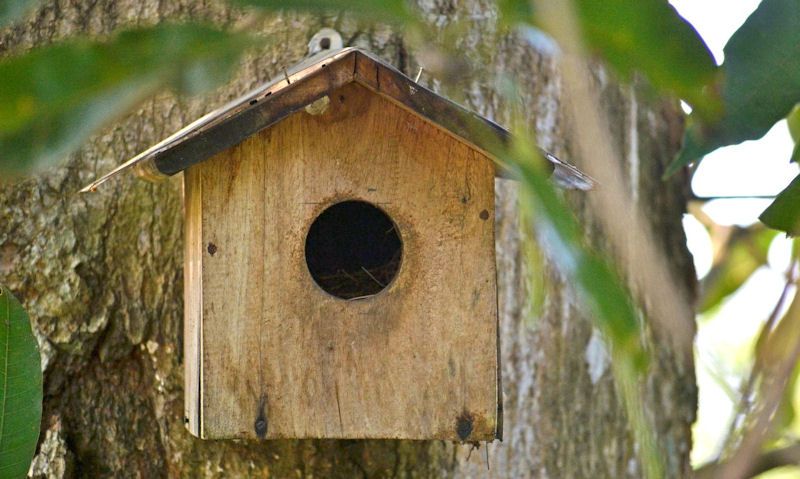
(746, 392)
(373, 277)
(702, 199)
(780, 355)
(785, 456)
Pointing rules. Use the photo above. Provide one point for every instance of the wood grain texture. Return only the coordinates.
(419, 359)
(193, 298)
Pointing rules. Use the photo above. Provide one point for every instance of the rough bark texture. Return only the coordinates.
(101, 277)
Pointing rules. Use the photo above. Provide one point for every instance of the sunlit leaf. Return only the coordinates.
(20, 388)
(53, 98)
(760, 83)
(744, 252)
(649, 36)
(385, 10)
(784, 213)
(793, 121)
(13, 10)
(646, 36)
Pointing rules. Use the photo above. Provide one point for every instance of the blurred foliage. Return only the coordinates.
(793, 122)
(53, 98)
(20, 388)
(744, 251)
(13, 10)
(596, 281)
(649, 36)
(560, 237)
(786, 413)
(645, 36)
(759, 85)
(760, 366)
(784, 213)
(760, 82)
(535, 274)
(394, 11)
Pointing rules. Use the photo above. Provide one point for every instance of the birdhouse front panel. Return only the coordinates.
(340, 280)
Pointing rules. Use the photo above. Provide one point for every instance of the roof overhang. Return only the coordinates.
(302, 85)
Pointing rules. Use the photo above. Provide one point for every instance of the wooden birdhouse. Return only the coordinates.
(340, 277)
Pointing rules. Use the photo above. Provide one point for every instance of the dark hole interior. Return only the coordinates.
(325, 43)
(353, 249)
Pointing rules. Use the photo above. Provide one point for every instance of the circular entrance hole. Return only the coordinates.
(353, 249)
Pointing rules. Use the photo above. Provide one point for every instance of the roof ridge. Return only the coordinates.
(306, 82)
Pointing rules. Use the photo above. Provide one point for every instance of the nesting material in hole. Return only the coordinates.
(353, 250)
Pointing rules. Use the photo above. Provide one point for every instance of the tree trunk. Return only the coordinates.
(101, 275)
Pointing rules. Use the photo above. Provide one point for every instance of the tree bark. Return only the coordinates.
(101, 275)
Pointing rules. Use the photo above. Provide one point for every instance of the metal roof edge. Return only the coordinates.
(303, 84)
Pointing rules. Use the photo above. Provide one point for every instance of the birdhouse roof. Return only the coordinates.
(307, 82)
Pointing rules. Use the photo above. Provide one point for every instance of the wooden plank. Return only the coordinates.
(416, 361)
(193, 298)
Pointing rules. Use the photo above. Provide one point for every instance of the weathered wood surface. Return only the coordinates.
(192, 299)
(419, 359)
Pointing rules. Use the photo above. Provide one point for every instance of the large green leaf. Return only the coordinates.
(385, 10)
(649, 36)
(20, 388)
(646, 36)
(784, 213)
(53, 98)
(760, 81)
(12, 10)
(745, 251)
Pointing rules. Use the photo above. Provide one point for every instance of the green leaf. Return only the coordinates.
(515, 11)
(53, 98)
(13, 10)
(646, 36)
(20, 388)
(384, 10)
(744, 252)
(760, 81)
(649, 36)
(793, 121)
(784, 213)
